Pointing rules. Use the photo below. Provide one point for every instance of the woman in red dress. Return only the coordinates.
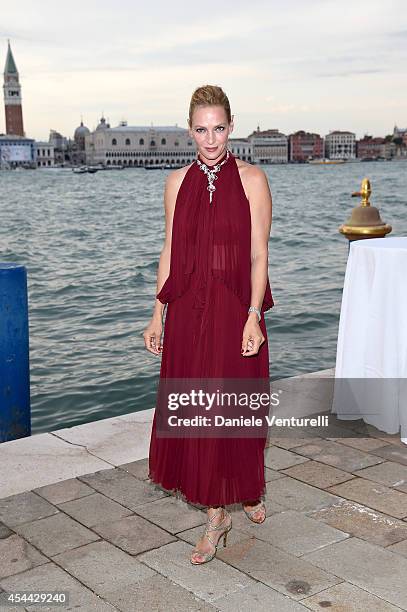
(213, 277)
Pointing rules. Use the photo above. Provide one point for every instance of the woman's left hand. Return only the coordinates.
(252, 337)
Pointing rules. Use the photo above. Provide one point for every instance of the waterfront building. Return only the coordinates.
(304, 146)
(60, 144)
(68, 152)
(44, 154)
(340, 145)
(241, 148)
(400, 133)
(268, 146)
(12, 97)
(371, 148)
(16, 151)
(139, 146)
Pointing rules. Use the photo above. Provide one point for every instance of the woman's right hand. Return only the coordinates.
(152, 336)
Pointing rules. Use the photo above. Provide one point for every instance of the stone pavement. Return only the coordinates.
(335, 536)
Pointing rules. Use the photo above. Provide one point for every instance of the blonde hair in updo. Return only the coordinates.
(209, 95)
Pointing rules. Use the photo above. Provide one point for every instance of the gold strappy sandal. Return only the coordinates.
(208, 556)
(250, 513)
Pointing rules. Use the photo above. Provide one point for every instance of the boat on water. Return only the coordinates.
(162, 167)
(84, 170)
(327, 161)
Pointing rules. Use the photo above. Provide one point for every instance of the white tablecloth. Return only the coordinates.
(372, 338)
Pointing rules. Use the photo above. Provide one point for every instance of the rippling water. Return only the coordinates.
(91, 244)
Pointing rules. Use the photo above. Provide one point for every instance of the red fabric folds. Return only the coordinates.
(208, 292)
(215, 239)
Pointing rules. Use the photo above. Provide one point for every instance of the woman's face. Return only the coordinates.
(210, 130)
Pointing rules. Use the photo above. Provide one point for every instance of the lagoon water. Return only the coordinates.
(91, 244)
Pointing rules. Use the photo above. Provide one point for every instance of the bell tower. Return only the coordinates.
(12, 97)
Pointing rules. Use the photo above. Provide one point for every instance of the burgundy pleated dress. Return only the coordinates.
(208, 292)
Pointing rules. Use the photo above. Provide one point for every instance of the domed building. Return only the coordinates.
(79, 136)
(102, 125)
(78, 149)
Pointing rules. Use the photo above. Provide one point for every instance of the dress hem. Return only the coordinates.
(178, 493)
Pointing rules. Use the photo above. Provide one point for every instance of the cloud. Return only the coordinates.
(349, 73)
(272, 58)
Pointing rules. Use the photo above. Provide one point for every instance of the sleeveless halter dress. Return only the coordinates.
(208, 293)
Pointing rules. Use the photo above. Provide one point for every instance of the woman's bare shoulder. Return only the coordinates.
(253, 178)
(250, 170)
(175, 177)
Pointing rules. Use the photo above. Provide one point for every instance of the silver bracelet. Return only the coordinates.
(256, 310)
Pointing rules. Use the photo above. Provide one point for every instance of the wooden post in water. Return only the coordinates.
(15, 414)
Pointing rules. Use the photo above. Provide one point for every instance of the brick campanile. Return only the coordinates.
(12, 97)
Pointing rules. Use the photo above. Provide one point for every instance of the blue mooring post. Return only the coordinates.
(15, 415)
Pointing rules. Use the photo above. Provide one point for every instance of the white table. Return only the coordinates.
(371, 354)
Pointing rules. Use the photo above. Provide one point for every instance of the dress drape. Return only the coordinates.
(208, 292)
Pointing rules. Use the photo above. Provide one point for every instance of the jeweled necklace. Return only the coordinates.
(210, 172)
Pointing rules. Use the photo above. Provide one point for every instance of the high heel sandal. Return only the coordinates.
(250, 513)
(208, 556)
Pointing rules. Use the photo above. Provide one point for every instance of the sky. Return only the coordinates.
(316, 65)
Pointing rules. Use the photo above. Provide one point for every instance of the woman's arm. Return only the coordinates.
(260, 200)
(261, 215)
(153, 331)
(170, 195)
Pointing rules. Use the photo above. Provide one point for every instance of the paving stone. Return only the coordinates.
(392, 452)
(338, 455)
(296, 533)
(94, 509)
(123, 487)
(291, 442)
(258, 598)
(271, 475)
(347, 597)
(156, 594)
(279, 458)
(103, 567)
(362, 522)
(42, 459)
(172, 514)
(55, 534)
(5, 532)
(133, 534)
(63, 491)
(276, 568)
(387, 438)
(16, 555)
(374, 495)
(318, 474)
(400, 548)
(387, 473)
(138, 469)
(367, 566)
(24, 508)
(209, 581)
(363, 444)
(48, 578)
(294, 495)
